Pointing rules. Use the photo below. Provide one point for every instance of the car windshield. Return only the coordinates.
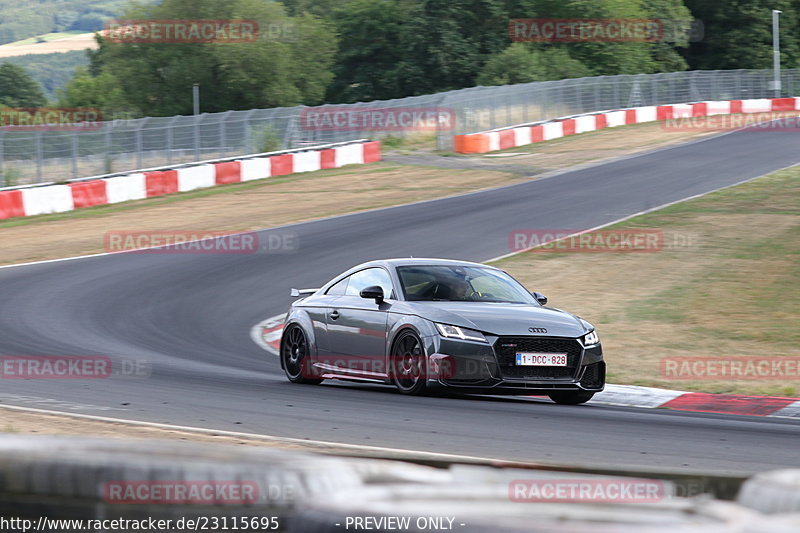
(460, 284)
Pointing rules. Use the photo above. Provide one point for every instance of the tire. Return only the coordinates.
(571, 397)
(294, 356)
(408, 364)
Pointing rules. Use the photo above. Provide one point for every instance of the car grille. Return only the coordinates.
(506, 348)
(594, 376)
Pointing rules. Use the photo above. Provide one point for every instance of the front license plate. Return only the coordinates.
(541, 359)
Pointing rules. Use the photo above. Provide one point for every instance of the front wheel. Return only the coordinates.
(571, 397)
(294, 355)
(408, 366)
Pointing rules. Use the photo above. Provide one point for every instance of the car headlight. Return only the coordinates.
(591, 338)
(457, 332)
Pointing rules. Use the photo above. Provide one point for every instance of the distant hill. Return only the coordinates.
(52, 71)
(28, 18)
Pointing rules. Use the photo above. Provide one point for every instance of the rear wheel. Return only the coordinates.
(408, 365)
(571, 397)
(294, 354)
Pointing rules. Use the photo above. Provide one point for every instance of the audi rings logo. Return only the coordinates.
(537, 330)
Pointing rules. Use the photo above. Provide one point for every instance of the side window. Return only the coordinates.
(338, 288)
(367, 278)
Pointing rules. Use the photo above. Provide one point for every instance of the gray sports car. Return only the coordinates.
(426, 325)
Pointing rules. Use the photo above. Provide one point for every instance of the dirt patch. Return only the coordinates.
(241, 207)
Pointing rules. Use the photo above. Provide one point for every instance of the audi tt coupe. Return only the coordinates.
(429, 325)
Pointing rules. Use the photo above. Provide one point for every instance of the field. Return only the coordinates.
(49, 43)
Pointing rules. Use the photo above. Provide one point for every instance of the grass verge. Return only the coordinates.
(726, 283)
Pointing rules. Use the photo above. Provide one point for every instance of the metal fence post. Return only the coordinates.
(139, 145)
(109, 151)
(223, 130)
(39, 156)
(196, 129)
(248, 136)
(74, 154)
(170, 139)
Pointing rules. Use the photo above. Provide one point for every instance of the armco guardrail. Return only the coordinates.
(49, 480)
(523, 134)
(115, 188)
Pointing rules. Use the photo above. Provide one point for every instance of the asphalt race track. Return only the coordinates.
(189, 316)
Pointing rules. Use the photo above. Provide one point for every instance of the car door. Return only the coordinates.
(319, 317)
(357, 326)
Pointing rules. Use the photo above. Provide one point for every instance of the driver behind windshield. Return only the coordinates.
(453, 288)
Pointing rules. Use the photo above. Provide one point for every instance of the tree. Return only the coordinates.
(369, 32)
(103, 91)
(608, 58)
(156, 78)
(445, 43)
(18, 89)
(738, 34)
(521, 63)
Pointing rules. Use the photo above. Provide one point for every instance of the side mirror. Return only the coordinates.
(372, 293)
(541, 298)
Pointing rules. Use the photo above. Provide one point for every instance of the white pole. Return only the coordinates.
(776, 54)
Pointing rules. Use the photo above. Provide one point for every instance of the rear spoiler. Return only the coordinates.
(294, 293)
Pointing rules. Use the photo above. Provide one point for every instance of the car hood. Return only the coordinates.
(502, 318)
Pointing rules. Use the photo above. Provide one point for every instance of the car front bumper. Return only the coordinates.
(475, 368)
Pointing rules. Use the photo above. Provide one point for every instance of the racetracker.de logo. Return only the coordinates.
(71, 367)
(587, 490)
(438, 366)
(765, 121)
(200, 242)
(180, 492)
(55, 367)
(181, 31)
(547, 30)
(730, 368)
(571, 240)
(50, 118)
(377, 119)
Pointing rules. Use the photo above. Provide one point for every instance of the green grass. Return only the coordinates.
(735, 292)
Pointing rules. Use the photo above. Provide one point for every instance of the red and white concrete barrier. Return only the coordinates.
(520, 135)
(735, 404)
(58, 198)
